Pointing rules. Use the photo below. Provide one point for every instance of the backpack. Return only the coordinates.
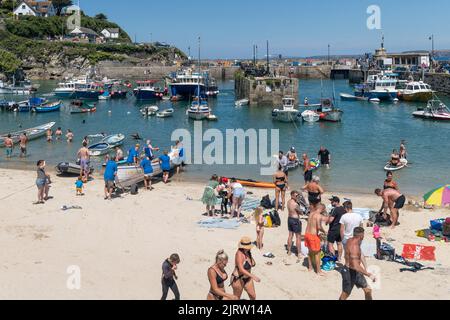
(446, 228)
(134, 190)
(276, 221)
(266, 203)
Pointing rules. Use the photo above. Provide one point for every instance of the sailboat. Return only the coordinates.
(199, 109)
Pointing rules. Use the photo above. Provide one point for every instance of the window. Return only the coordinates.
(423, 87)
(24, 7)
(416, 88)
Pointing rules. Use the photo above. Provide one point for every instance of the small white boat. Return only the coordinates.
(435, 110)
(105, 96)
(242, 102)
(128, 175)
(403, 163)
(165, 113)
(310, 116)
(212, 117)
(350, 97)
(375, 100)
(114, 140)
(199, 111)
(70, 169)
(32, 133)
(288, 113)
(99, 149)
(149, 111)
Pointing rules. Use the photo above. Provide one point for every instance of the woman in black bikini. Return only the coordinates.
(217, 277)
(242, 278)
(389, 183)
(280, 179)
(314, 190)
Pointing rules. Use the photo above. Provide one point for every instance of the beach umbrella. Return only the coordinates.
(438, 197)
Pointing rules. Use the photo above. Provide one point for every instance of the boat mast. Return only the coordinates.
(199, 70)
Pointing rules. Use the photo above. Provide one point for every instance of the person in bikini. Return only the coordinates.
(294, 225)
(314, 190)
(354, 271)
(217, 276)
(395, 159)
(403, 152)
(280, 179)
(242, 277)
(312, 238)
(389, 183)
(307, 172)
(259, 220)
(394, 201)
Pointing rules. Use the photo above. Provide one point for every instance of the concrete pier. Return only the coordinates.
(268, 91)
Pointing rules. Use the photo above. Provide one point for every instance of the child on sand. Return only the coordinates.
(79, 186)
(259, 220)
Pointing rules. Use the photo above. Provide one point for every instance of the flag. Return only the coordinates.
(419, 252)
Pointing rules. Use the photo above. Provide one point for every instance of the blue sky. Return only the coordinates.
(229, 28)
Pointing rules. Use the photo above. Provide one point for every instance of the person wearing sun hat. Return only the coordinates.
(242, 278)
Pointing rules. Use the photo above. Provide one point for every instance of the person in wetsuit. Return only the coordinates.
(280, 179)
(217, 276)
(242, 277)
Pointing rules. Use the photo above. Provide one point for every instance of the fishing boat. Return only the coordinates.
(288, 113)
(242, 102)
(199, 110)
(21, 88)
(149, 111)
(165, 113)
(49, 107)
(70, 169)
(403, 164)
(416, 91)
(381, 86)
(85, 108)
(350, 97)
(187, 83)
(32, 133)
(212, 90)
(104, 96)
(435, 110)
(327, 111)
(310, 116)
(146, 90)
(28, 105)
(114, 140)
(128, 175)
(78, 88)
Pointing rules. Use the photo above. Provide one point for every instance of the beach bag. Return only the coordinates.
(446, 228)
(328, 263)
(437, 225)
(276, 221)
(268, 221)
(385, 251)
(266, 203)
(134, 190)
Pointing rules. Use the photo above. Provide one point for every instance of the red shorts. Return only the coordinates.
(312, 242)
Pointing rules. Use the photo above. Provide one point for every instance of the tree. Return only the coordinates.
(101, 16)
(8, 5)
(9, 62)
(60, 4)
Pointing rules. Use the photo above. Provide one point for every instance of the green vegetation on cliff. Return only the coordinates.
(8, 62)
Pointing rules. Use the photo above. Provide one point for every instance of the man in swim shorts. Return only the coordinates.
(9, 146)
(394, 201)
(312, 239)
(307, 168)
(294, 224)
(354, 272)
(83, 155)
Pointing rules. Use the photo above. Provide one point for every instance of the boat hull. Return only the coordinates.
(86, 95)
(416, 97)
(64, 94)
(32, 133)
(187, 90)
(70, 169)
(382, 95)
(286, 116)
(48, 108)
(146, 94)
(432, 116)
(331, 116)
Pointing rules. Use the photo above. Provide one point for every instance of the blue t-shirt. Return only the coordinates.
(165, 162)
(147, 166)
(111, 168)
(131, 155)
(79, 184)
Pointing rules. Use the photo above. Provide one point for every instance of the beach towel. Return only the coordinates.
(419, 252)
(250, 204)
(219, 223)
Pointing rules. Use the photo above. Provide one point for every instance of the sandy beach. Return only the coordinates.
(120, 245)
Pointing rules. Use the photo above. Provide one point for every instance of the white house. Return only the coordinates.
(24, 9)
(111, 33)
(35, 8)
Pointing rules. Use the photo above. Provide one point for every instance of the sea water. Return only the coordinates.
(360, 145)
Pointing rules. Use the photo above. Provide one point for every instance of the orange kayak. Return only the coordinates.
(255, 184)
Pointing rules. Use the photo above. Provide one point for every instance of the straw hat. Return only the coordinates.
(245, 243)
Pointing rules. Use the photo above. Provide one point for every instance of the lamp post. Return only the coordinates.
(431, 38)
